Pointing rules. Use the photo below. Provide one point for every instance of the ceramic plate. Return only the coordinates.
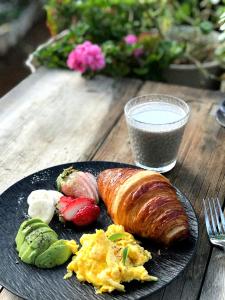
(32, 283)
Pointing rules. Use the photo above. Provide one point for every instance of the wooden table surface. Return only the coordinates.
(55, 117)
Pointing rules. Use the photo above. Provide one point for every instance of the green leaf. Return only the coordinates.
(141, 71)
(183, 11)
(206, 27)
(116, 236)
(125, 254)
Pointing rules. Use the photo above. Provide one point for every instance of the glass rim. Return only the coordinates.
(187, 113)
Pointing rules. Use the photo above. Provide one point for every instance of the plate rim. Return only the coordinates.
(8, 288)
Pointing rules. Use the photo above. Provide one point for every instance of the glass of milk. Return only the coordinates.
(156, 125)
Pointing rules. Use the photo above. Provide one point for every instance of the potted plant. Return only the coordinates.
(198, 65)
(136, 39)
(196, 24)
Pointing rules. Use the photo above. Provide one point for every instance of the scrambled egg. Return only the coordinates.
(72, 245)
(108, 258)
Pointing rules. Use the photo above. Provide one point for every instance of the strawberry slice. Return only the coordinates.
(76, 205)
(64, 201)
(86, 215)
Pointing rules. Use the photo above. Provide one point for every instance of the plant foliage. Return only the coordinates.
(107, 22)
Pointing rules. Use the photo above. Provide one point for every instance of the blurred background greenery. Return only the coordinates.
(170, 32)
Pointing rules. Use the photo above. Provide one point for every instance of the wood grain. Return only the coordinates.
(53, 104)
(54, 117)
(214, 287)
(8, 296)
(199, 171)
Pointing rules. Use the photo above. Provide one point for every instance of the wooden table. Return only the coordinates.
(54, 117)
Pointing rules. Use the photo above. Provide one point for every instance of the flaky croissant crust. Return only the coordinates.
(144, 202)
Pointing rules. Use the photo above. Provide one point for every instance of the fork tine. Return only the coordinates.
(212, 218)
(217, 218)
(208, 226)
(221, 214)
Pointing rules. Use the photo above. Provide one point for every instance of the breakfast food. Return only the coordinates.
(144, 202)
(138, 201)
(52, 195)
(38, 245)
(106, 259)
(80, 211)
(77, 184)
(42, 204)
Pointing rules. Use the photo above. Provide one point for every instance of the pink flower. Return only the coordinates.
(86, 56)
(138, 52)
(130, 39)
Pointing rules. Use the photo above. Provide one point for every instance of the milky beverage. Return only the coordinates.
(156, 130)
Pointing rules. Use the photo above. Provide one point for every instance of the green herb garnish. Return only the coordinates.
(125, 254)
(116, 236)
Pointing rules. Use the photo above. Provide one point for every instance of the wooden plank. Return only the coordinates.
(6, 295)
(197, 159)
(199, 171)
(55, 117)
(184, 92)
(213, 285)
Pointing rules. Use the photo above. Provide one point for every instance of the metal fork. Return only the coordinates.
(215, 222)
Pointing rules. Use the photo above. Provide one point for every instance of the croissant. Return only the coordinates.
(144, 202)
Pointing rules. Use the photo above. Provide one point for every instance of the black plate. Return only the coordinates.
(32, 283)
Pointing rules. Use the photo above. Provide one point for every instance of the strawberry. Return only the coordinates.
(64, 201)
(76, 184)
(86, 215)
(74, 206)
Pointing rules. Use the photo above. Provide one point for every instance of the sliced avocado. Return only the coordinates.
(29, 229)
(35, 233)
(26, 225)
(34, 226)
(23, 248)
(28, 255)
(43, 239)
(38, 244)
(19, 240)
(29, 222)
(29, 251)
(57, 254)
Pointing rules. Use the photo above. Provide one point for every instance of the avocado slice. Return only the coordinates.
(38, 244)
(30, 250)
(19, 240)
(27, 231)
(29, 222)
(23, 248)
(57, 254)
(35, 233)
(34, 226)
(27, 226)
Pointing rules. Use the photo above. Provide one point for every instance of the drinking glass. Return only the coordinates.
(156, 125)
